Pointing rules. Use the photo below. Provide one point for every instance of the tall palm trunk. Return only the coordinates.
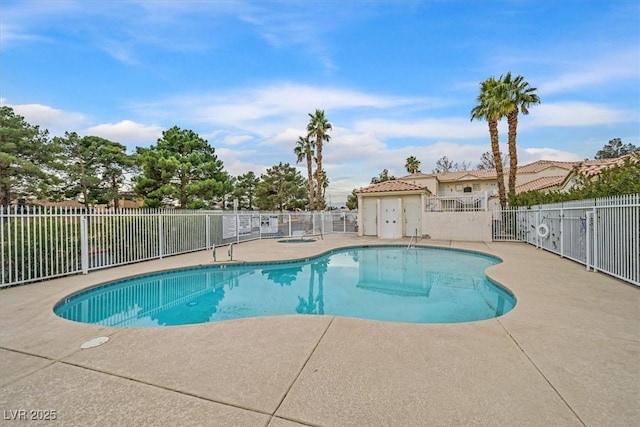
(310, 178)
(319, 198)
(495, 147)
(512, 120)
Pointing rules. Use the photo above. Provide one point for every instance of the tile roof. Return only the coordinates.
(540, 183)
(393, 185)
(418, 175)
(594, 167)
(544, 164)
(478, 174)
(536, 166)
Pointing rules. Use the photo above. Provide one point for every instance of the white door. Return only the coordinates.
(390, 218)
(370, 217)
(412, 219)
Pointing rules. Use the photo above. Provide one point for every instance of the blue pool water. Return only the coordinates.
(419, 285)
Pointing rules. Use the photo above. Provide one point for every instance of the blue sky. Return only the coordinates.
(395, 78)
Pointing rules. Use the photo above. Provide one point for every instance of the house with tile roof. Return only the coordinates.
(422, 204)
(397, 208)
(592, 168)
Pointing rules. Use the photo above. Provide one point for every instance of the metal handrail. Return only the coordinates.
(414, 237)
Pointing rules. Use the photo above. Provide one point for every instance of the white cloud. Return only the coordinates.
(576, 114)
(604, 70)
(238, 162)
(126, 132)
(528, 155)
(10, 35)
(236, 139)
(55, 120)
(286, 139)
(265, 109)
(449, 128)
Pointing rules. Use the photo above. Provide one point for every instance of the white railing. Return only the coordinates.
(470, 203)
(603, 234)
(41, 243)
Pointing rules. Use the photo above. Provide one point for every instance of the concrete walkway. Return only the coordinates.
(568, 354)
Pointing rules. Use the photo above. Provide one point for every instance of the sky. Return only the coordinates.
(395, 78)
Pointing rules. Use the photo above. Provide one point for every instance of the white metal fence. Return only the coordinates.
(41, 243)
(603, 234)
(467, 203)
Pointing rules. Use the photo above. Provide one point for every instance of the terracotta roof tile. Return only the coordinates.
(544, 164)
(477, 174)
(418, 175)
(491, 173)
(393, 185)
(594, 167)
(540, 183)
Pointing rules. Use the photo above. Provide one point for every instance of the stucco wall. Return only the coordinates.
(469, 226)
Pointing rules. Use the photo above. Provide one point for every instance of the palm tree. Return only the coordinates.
(491, 109)
(412, 165)
(304, 149)
(520, 97)
(318, 129)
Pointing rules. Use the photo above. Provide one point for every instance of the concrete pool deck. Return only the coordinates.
(568, 354)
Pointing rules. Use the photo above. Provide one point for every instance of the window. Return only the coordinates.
(476, 187)
(467, 189)
(458, 187)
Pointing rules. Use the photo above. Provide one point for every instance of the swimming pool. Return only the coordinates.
(389, 283)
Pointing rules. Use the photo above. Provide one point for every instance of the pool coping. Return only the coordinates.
(571, 345)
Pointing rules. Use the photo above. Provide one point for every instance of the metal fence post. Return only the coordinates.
(84, 245)
(589, 219)
(561, 232)
(536, 227)
(595, 239)
(207, 226)
(160, 237)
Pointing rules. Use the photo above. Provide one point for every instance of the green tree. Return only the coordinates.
(615, 181)
(519, 97)
(181, 168)
(318, 129)
(412, 165)
(27, 157)
(245, 190)
(352, 200)
(304, 149)
(490, 108)
(325, 185)
(113, 163)
(281, 188)
(225, 191)
(79, 166)
(384, 176)
(615, 148)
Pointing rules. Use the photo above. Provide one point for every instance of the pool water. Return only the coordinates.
(418, 285)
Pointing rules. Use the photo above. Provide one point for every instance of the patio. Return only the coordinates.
(568, 354)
